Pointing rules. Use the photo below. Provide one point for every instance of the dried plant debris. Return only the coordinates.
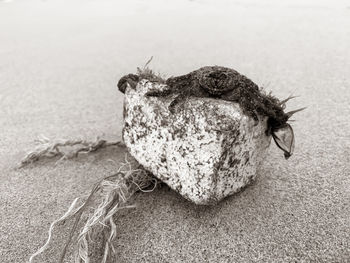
(226, 84)
(142, 73)
(66, 149)
(101, 207)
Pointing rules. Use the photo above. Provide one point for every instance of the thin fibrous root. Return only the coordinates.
(48, 149)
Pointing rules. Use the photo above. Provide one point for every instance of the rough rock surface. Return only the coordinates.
(206, 151)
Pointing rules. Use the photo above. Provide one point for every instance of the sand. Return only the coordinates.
(59, 65)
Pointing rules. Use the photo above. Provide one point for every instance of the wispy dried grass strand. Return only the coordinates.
(49, 149)
(69, 212)
(113, 194)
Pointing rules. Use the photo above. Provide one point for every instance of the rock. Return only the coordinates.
(208, 150)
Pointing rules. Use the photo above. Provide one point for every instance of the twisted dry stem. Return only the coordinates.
(48, 149)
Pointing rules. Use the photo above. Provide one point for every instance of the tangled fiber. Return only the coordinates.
(100, 208)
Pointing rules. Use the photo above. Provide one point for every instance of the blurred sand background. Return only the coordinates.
(59, 64)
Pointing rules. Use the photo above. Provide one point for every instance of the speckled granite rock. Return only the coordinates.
(206, 151)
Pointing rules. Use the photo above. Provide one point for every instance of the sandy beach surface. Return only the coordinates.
(59, 64)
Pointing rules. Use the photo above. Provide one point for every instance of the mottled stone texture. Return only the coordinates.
(206, 151)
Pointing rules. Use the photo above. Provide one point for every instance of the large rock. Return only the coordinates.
(206, 151)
